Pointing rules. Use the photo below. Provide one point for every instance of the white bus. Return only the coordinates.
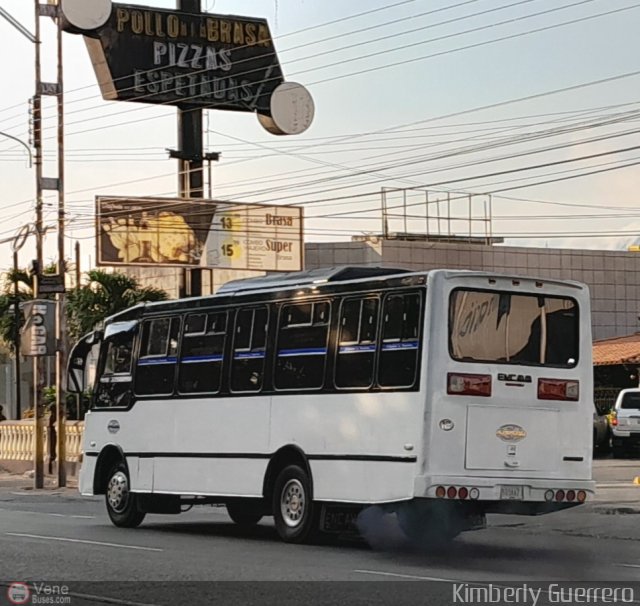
(440, 396)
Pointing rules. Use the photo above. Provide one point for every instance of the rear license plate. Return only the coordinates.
(340, 520)
(511, 493)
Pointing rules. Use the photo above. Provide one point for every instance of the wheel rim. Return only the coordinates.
(293, 503)
(118, 492)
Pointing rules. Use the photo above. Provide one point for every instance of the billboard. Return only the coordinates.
(200, 233)
(251, 236)
(153, 55)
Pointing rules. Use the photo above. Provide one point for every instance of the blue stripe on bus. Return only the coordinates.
(309, 351)
(400, 346)
(345, 349)
(156, 361)
(196, 359)
(249, 355)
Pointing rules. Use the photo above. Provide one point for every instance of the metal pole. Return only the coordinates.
(191, 180)
(60, 316)
(16, 336)
(23, 145)
(78, 278)
(38, 448)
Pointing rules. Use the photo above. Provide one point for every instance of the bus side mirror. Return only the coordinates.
(75, 379)
(76, 369)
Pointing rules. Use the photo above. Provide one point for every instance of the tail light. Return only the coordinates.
(452, 491)
(463, 493)
(614, 419)
(557, 389)
(582, 496)
(571, 495)
(468, 385)
(560, 495)
(441, 491)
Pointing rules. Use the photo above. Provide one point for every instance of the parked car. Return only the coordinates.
(625, 424)
(601, 431)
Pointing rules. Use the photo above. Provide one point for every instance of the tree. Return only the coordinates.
(104, 295)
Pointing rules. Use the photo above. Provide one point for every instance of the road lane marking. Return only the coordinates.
(407, 576)
(108, 600)
(46, 513)
(67, 540)
(628, 565)
(100, 598)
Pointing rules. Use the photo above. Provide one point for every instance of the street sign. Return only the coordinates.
(50, 284)
(38, 333)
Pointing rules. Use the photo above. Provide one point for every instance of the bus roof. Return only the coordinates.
(310, 277)
(313, 279)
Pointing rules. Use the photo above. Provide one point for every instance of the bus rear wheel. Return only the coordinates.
(244, 514)
(296, 515)
(122, 505)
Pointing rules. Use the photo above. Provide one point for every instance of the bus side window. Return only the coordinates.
(249, 350)
(398, 362)
(200, 369)
(357, 343)
(155, 372)
(302, 345)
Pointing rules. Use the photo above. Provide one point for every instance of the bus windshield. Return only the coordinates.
(508, 328)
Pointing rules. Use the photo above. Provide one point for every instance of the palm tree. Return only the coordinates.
(23, 279)
(104, 295)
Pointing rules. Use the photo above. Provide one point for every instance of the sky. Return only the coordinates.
(526, 108)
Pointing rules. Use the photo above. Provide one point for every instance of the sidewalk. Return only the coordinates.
(13, 481)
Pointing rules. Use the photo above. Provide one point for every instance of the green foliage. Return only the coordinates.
(7, 300)
(104, 295)
(23, 279)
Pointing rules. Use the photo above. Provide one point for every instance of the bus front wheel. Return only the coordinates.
(122, 505)
(296, 515)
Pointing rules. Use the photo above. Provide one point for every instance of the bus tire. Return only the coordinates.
(296, 515)
(244, 514)
(122, 504)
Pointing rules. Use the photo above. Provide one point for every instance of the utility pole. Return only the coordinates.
(60, 315)
(38, 449)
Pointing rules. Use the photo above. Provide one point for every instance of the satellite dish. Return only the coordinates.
(292, 110)
(85, 15)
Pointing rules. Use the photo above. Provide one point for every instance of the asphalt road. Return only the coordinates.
(58, 536)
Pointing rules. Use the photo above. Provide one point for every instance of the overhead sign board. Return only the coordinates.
(201, 233)
(155, 55)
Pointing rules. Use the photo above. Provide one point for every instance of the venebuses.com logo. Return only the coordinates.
(18, 593)
(38, 593)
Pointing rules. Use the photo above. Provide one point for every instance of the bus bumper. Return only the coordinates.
(537, 490)
(86, 476)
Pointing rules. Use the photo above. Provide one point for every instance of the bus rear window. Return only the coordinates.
(509, 328)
